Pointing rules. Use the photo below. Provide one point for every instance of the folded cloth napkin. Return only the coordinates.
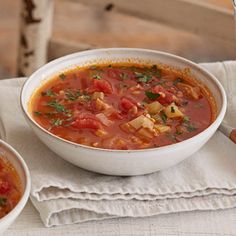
(65, 194)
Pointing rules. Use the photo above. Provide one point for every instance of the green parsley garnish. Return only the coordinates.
(62, 76)
(87, 97)
(163, 117)
(172, 109)
(72, 96)
(97, 76)
(178, 132)
(151, 95)
(59, 107)
(186, 119)
(144, 78)
(56, 122)
(49, 93)
(172, 137)
(190, 127)
(37, 113)
(3, 201)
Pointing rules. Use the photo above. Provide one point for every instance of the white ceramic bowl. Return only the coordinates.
(122, 162)
(17, 161)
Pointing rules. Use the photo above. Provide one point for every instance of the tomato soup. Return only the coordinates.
(10, 187)
(123, 106)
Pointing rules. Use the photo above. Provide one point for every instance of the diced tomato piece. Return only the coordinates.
(127, 103)
(86, 121)
(116, 116)
(5, 187)
(102, 85)
(166, 97)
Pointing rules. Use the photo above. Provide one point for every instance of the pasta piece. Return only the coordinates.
(141, 121)
(145, 133)
(101, 105)
(162, 128)
(172, 111)
(154, 107)
(99, 95)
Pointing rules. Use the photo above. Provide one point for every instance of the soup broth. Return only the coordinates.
(123, 106)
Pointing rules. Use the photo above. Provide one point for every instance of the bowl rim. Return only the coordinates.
(193, 65)
(24, 198)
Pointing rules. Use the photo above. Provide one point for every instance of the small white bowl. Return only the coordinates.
(122, 162)
(18, 163)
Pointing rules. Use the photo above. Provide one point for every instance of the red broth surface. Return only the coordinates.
(123, 106)
(10, 187)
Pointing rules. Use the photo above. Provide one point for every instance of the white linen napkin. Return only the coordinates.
(65, 194)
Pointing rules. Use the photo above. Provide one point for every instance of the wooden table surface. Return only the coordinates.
(77, 23)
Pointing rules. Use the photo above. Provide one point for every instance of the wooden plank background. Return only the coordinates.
(79, 24)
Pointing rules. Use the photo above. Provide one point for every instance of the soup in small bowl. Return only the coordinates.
(123, 111)
(14, 185)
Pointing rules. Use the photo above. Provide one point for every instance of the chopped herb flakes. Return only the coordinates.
(171, 136)
(178, 132)
(49, 93)
(172, 110)
(151, 95)
(56, 122)
(72, 96)
(3, 201)
(163, 117)
(37, 113)
(57, 106)
(189, 126)
(186, 119)
(62, 76)
(144, 78)
(97, 76)
(87, 97)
